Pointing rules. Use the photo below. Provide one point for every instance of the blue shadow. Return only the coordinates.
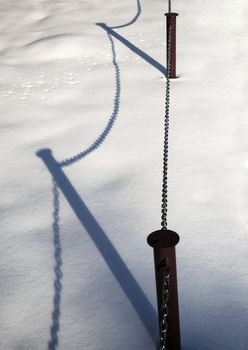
(134, 48)
(112, 119)
(53, 342)
(124, 277)
(133, 20)
(55, 326)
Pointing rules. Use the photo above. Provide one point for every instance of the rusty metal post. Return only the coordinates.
(171, 21)
(163, 243)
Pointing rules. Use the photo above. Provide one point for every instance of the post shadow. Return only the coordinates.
(134, 48)
(124, 277)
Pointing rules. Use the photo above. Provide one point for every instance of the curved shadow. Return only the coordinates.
(54, 329)
(53, 342)
(133, 20)
(116, 107)
(51, 37)
(124, 277)
(132, 47)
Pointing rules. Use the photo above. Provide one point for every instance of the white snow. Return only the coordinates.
(68, 86)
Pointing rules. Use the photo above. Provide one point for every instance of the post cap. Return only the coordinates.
(163, 239)
(44, 151)
(172, 14)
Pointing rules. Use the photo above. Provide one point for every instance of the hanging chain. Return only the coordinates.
(164, 311)
(166, 137)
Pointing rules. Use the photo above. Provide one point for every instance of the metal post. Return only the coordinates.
(163, 243)
(171, 21)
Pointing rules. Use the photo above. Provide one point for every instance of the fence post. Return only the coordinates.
(163, 243)
(171, 21)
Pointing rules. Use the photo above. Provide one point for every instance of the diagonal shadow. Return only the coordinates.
(134, 48)
(124, 277)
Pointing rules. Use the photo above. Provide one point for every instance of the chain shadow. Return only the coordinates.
(55, 326)
(133, 20)
(53, 342)
(132, 47)
(112, 119)
(124, 277)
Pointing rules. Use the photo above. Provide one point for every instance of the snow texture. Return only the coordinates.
(82, 101)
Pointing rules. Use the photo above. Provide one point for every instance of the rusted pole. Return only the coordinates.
(171, 22)
(163, 243)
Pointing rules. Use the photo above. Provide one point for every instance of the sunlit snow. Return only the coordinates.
(85, 79)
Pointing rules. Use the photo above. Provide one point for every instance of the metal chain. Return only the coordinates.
(166, 137)
(164, 311)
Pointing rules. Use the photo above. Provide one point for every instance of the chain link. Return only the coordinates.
(166, 137)
(164, 310)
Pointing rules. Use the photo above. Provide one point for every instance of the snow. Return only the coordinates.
(98, 99)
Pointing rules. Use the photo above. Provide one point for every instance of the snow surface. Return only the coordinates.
(85, 79)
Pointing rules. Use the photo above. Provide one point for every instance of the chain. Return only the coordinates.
(164, 311)
(166, 137)
(55, 326)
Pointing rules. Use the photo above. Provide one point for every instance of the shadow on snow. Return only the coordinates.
(134, 48)
(112, 258)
